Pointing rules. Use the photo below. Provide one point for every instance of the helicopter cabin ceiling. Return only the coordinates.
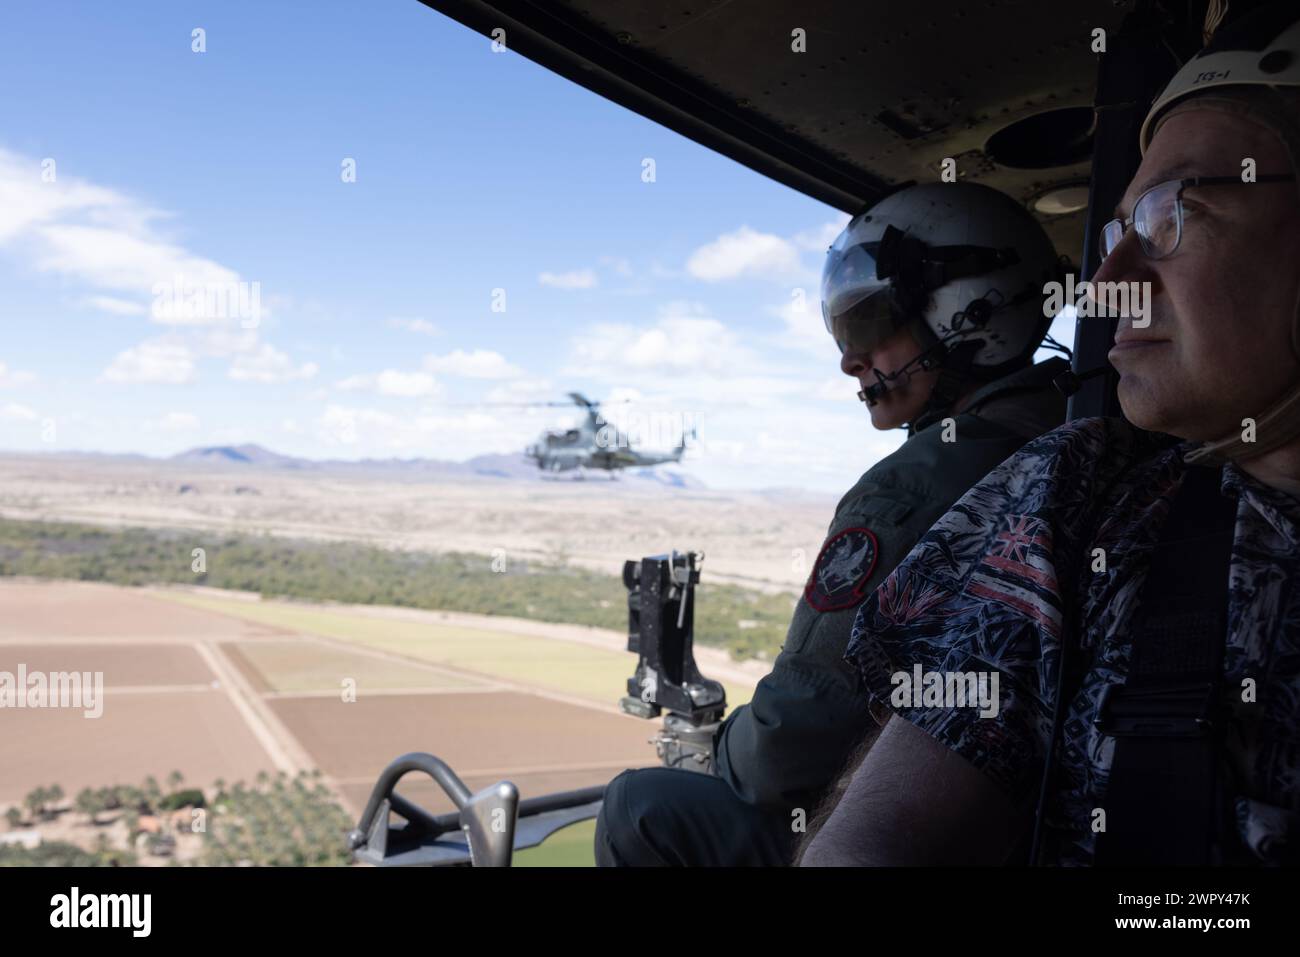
(881, 95)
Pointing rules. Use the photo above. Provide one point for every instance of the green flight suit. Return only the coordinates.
(787, 746)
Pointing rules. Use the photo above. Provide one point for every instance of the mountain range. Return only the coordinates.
(501, 466)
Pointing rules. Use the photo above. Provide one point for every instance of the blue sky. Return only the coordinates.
(475, 172)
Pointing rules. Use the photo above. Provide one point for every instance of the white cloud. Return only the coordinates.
(804, 329)
(576, 279)
(422, 326)
(213, 301)
(356, 383)
(110, 242)
(440, 435)
(26, 201)
(838, 389)
(619, 265)
(684, 338)
(337, 425)
(391, 382)
(523, 391)
(478, 364)
(153, 361)
(175, 422)
(268, 364)
(118, 307)
(673, 343)
(113, 259)
(222, 341)
(765, 413)
(819, 238)
(803, 320)
(676, 308)
(17, 413)
(93, 235)
(408, 384)
(746, 253)
(692, 362)
(10, 379)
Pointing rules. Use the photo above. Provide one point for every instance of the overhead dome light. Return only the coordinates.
(1062, 200)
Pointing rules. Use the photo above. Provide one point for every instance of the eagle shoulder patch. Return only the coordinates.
(840, 574)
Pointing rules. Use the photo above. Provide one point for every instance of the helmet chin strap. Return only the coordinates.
(886, 383)
(934, 354)
(954, 380)
(954, 363)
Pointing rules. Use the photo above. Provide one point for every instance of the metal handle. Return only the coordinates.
(488, 818)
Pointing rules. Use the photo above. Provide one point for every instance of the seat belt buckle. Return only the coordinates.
(1159, 711)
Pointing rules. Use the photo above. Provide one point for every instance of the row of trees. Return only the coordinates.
(276, 822)
(42, 803)
(748, 622)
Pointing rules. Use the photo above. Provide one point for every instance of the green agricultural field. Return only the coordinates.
(584, 671)
(746, 622)
(574, 846)
(306, 666)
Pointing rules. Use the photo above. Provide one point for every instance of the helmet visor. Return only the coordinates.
(857, 306)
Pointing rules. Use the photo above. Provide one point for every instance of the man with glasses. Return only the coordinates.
(1132, 594)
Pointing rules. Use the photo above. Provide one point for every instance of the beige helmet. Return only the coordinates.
(1250, 69)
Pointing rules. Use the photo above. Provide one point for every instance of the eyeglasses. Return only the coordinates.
(1158, 213)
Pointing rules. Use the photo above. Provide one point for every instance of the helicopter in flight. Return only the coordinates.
(594, 444)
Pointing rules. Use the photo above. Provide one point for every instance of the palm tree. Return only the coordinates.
(14, 817)
(174, 779)
(88, 803)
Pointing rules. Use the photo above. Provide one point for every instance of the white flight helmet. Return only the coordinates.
(962, 265)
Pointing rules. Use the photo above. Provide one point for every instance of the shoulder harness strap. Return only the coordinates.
(1163, 803)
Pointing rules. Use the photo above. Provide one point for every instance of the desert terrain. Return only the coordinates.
(756, 539)
(224, 685)
(221, 685)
